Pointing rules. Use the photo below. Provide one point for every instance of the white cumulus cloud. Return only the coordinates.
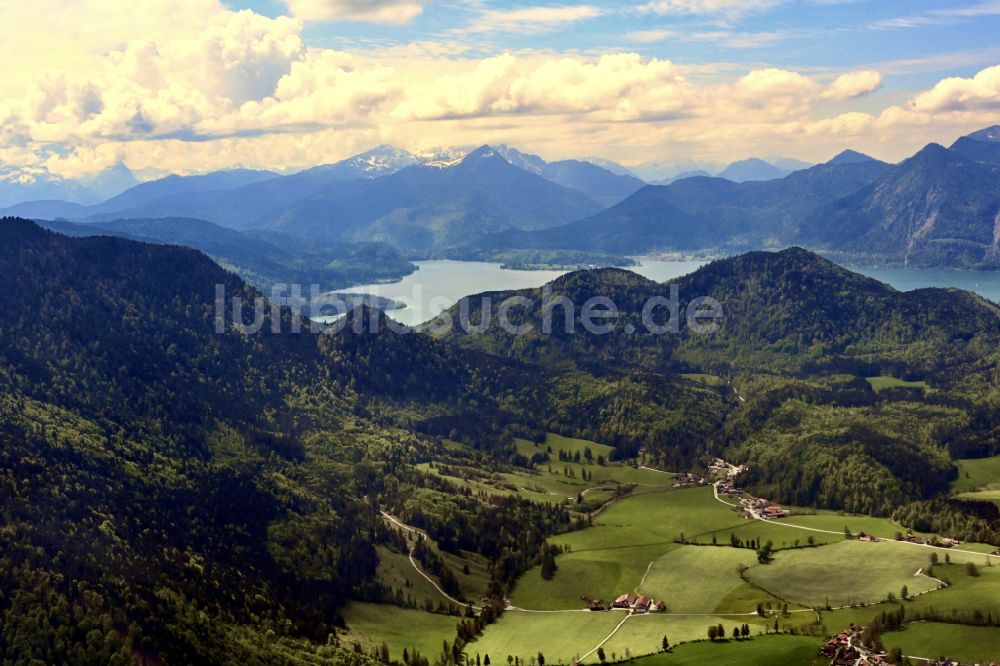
(853, 84)
(981, 91)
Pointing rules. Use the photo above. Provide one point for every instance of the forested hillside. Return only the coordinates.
(175, 495)
(798, 342)
(262, 259)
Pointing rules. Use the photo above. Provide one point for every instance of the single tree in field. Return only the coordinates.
(720, 631)
(904, 593)
(736, 633)
(971, 569)
(486, 660)
(745, 631)
(896, 655)
(934, 558)
(665, 644)
(541, 659)
(713, 632)
(600, 654)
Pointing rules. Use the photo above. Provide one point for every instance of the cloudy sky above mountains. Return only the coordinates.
(195, 85)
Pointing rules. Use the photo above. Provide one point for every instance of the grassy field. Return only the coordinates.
(883, 383)
(559, 636)
(934, 639)
(965, 593)
(760, 651)
(474, 585)
(609, 472)
(836, 522)
(847, 573)
(632, 546)
(978, 473)
(611, 557)
(565, 636)
(395, 570)
(557, 481)
(745, 597)
(714, 568)
(643, 634)
(572, 445)
(981, 496)
(710, 380)
(371, 624)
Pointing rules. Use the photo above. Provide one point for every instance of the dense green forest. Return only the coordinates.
(173, 495)
(783, 383)
(166, 488)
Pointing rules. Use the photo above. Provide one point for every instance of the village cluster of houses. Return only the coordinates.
(753, 507)
(845, 649)
(730, 470)
(686, 480)
(638, 603)
(765, 509)
(945, 542)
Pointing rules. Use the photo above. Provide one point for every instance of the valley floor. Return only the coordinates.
(818, 582)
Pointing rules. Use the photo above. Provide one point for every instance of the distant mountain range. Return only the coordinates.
(420, 204)
(700, 212)
(941, 207)
(753, 168)
(19, 184)
(936, 209)
(600, 183)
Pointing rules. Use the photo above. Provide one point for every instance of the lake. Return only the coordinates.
(439, 284)
(984, 283)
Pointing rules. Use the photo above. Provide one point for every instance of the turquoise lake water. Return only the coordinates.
(439, 284)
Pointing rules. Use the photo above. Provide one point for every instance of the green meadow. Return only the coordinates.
(611, 557)
(634, 545)
(850, 572)
(760, 651)
(557, 481)
(561, 636)
(838, 522)
(933, 640)
(977, 474)
(371, 624)
(643, 634)
(965, 593)
(715, 568)
(882, 383)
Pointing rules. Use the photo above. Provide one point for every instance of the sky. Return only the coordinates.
(197, 85)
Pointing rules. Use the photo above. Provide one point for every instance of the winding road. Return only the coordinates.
(460, 604)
